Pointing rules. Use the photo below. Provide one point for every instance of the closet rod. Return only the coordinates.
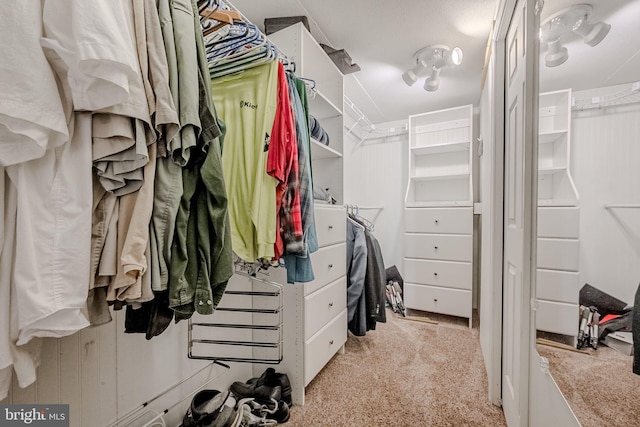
(238, 326)
(242, 360)
(622, 206)
(253, 293)
(145, 404)
(249, 310)
(238, 343)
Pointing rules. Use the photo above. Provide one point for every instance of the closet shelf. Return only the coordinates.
(556, 203)
(441, 126)
(322, 107)
(550, 137)
(322, 151)
(449, 203)
(551, 170)
(448, 147)
(441, 176)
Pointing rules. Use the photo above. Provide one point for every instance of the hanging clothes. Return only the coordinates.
(299, 268)
(282, 164)
(356, 272)
(23, 359)
(370, 306)
(247, 103)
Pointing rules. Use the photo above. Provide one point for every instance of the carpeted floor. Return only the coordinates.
(404, 373)
(600, 387)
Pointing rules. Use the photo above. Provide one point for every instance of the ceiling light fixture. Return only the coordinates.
(575, 19)
(433, 58)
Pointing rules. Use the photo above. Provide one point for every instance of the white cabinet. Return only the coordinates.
(555, 184)
(557, 284)
(325, 102)
(440, 163)
(315, 313)
(325, 298)
(315, 318)
(438, 239)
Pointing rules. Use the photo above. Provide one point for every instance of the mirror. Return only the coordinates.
(589, 203)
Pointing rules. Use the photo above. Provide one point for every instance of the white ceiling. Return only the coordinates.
(615, 60)
(381, 36)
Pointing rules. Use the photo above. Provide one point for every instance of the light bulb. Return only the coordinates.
(456, 56)
(432, 83)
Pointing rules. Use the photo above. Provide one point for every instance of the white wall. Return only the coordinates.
(103, 374)
(605, 163)
(376, 176)
(375, 173)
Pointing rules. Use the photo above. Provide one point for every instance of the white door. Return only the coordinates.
(519, 196)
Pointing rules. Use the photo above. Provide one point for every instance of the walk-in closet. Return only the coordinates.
(239, 213)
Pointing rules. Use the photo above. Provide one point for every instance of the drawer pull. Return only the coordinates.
(330, 304)
(435, 274)
(435, 247)
(330, 265)
(436, 222)
(435, 300)
(331, 342)
(331, 227)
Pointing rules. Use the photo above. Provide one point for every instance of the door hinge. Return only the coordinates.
(534, 304)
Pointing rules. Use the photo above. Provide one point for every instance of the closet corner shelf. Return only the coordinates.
(550, 137)
(448, 147)
(322, 108)
(440, 176)
(321, 151)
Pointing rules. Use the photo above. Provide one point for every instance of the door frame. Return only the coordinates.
(504, 13)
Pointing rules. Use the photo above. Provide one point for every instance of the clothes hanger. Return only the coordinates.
(355, 223)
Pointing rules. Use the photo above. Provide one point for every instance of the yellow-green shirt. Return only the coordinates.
(247, 102)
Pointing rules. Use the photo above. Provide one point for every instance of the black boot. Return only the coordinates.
(208, 409)
(272, 378)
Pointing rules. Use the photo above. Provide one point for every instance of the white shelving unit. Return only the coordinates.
(315, 322)
(438, 257)
(558, 219)
(440, 146)
(325, 103)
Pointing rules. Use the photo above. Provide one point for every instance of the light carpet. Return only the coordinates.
(404, 373)
(600, 387)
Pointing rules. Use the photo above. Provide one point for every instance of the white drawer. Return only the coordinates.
(329, 263)
(438, 246)
(455, 302)
(323, 345)
(559, 286)
(557, 317)
(439, 220)
(331, 225)
(322, 306)
(558, 254)
(559, 222)
(438, 273)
